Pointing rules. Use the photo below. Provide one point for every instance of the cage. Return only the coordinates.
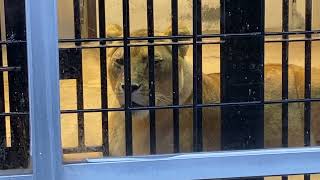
(145, 82)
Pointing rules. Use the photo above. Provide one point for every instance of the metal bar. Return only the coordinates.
(8, 69)
(83, 150)
(197, 77)
(225, 35)
(12, 42)
(307, 83)
(77, 34)
(152, 115)
(203, 165)
(308, 44)
(17, 177)
(15, 22)
(15, 114)
(103, 77)
(79, 84)
(127, 77)
(242, 126)
(43, 76)
(77, 21)
(183, 43)
(248, 103)
(285, 20)
(139, 45)
(285, 44)
(175, 76)
(293, 40)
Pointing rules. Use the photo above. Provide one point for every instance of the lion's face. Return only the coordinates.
(140, 75)
(139, 61)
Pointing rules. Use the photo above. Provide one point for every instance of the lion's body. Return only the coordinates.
(211, 94)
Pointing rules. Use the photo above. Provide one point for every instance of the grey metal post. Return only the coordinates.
(42, 38)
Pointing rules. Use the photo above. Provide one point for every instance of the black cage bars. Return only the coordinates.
(175, 76)
(197, 87)
(285, 58)
(16, 156)
(197, 77)
(307, 81)
(231, 39)
(103, 73)
(150, 23)
(242, 60)
(127, 77)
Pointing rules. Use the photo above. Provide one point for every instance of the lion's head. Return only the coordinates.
(140, 71)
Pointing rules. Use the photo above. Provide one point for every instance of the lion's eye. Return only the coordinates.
(119, 61)
(157, 60)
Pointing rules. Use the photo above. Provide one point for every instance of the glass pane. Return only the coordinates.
(247, 97)
(14, 100)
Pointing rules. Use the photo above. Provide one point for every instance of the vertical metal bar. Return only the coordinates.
(79, 85)
(285, 17)
(77, 34)
(222, 19)
(242, 75)
(42, 37)
(307, 91)
(197, 77)
(15, 19)
(103, 77)
(150, 18)
(285, 44)
(77, 22)
(175, 76)
(127, 77)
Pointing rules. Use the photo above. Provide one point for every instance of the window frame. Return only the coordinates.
(43, 64)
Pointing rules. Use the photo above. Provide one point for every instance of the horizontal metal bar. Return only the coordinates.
(161, 37)
(189, 36)
(138, 45)
(91, 110)
(292, 33)
(293, 40)
(16, 177)
(15, 114)
(89, 40)
(3, 69)
(82, 149)
(181, 43)
(204, 165)
(12, 42)
(177, 106)
(251, 103)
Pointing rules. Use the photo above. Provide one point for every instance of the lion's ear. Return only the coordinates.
(183, 49)
(114, 30)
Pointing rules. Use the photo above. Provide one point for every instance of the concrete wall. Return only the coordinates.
(163, 19)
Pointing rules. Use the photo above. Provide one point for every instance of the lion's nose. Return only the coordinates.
(134, 87)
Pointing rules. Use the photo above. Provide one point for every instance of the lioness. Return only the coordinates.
(211, 93)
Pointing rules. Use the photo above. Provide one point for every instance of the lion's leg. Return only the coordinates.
(116, 134)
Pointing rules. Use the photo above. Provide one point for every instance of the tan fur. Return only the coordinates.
(211, 94)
